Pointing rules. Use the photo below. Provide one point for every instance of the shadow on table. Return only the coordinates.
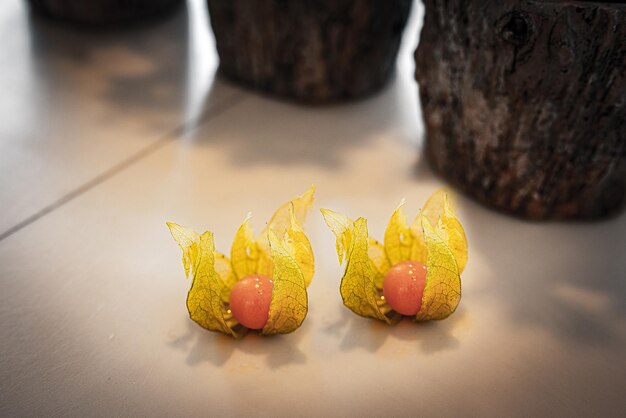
(353, 331)
(274, 132)
(205, 346)
(146, 71)
(567, 280)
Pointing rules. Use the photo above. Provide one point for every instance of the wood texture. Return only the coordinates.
(312, 51)
(101, 11)
(525, 103)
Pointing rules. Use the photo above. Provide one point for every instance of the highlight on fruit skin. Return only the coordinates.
(414, 272)
(262, 285)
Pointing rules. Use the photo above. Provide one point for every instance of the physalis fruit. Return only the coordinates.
(262, 285)
(415, 272)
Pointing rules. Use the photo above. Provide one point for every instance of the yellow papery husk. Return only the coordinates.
(403, 243)
(213, 279)
(342, 227)
(439, 212)
(290, 262)
(378, 260)
(299, 207)
(365, 261)
(205, 297)
(436, 239)
(442, 290)
(245, 251)
(250, 256)
(224, 270)
(436, 247)
(289, 304)
(188, 241)
(358, 287)
(300, 247)
(399, 239)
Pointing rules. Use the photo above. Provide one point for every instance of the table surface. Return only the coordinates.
(106, 135)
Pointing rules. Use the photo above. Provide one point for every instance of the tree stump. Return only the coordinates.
(100, 12)
(312, 51)
(525, 103)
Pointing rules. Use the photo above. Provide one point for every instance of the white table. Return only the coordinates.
(104, 137)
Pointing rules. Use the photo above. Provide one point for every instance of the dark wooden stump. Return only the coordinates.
(100, 12)
(525, 103)
(312, 51)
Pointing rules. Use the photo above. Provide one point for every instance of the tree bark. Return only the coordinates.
(525, 103)
(100, 12)
(312, 51)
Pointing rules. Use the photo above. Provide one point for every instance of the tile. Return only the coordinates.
(75, 103)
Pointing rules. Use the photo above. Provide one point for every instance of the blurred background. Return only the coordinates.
(110, 129)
